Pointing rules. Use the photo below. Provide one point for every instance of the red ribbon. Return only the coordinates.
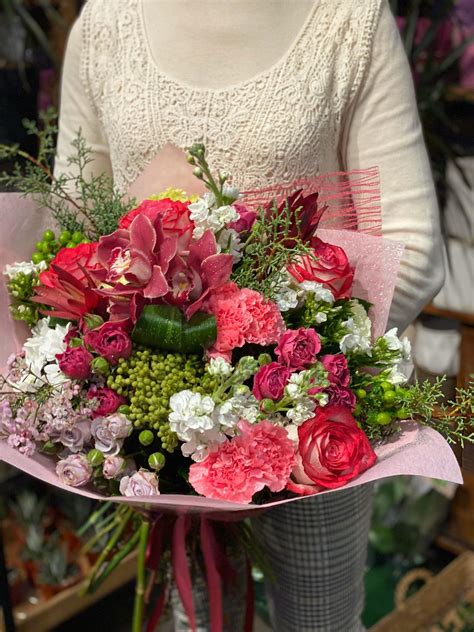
(217, 567)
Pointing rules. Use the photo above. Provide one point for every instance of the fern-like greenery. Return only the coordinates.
(90, 205)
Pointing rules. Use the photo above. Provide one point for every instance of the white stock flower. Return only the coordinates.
(229, 241)
(190, 413)
(44, 344)
(396, 377)
(230, 192)
(302, 411)
(394, 343)
(199, 210)
(24, 267)
(321, 293)
(359, 328)
(219, 367)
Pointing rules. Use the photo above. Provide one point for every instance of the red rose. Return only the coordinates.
(108, 401)
(336, 366)
(110, 341)
(246, 219)
(270, 381)
(72, 260)
(329, 266)
(75, 362)
(174, 217)
(298, 348)
(332, 451)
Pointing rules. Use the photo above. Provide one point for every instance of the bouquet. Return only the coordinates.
(212, 354)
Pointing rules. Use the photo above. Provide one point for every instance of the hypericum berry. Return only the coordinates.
(387, 386)
(361, 393)
(146, 437)
(64, 237)
(71, 244)
(37, 257)
(383, 419)
(156, 461)
(48, 235)
(389, 398)
(402, 413)
(95, 457)
(77, 237)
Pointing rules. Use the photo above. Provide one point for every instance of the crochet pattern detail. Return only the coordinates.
(281, 125)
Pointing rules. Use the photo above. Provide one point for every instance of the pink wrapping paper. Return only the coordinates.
(418, 451)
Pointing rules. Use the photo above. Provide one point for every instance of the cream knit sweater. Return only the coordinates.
(277, 90)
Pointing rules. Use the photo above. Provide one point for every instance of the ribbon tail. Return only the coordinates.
(181, 573)
(157, 612)
(209, 551)
(250, 608)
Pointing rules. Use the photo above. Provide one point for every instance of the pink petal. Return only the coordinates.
(142, 234)
(157, 286)
(216, 269)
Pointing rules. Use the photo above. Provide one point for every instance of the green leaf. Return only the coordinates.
(165, 327)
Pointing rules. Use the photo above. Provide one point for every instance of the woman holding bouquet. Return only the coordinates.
(277, 90)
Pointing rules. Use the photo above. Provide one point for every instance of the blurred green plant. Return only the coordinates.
(35, 28)
(426, 27)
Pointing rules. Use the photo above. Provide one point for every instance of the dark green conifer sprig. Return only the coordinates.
(78, 202)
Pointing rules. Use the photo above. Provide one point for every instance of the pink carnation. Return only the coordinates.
(262, 455)
(243, 316)
(267, 322)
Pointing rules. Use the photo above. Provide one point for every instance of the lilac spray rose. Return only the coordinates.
(142, 483)
(75, 470)
(76, 436)
(109, 432)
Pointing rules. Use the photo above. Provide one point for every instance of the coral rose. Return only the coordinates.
(328, 265)
(332, 451)
(77, 261)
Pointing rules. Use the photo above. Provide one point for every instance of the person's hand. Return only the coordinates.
(169, 168)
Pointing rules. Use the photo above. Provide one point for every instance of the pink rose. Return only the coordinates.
(75, 362)
(142, 483)
(108, 401)
(298, 348)
(112, 467)
(332, 451)
(246, 219)
(341, 396)
(337, 368)
(329, 265)
(110, 341)
(263, 455)
(270, 381)
(75, 470)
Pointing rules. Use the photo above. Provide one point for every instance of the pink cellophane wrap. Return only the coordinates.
(417, 451)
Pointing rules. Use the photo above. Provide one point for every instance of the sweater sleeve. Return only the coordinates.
(77, 113)
(383, 129)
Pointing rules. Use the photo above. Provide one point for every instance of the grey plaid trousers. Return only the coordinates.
(317, 549)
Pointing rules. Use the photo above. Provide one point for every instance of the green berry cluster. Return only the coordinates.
(148, 379)
(49, 246)
(21, 289)
(383, 404)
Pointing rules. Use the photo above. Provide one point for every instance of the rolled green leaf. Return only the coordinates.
(165, 327)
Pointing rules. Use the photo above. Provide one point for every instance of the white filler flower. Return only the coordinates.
(359, 328)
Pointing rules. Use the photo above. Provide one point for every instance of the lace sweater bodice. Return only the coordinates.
(340, 97)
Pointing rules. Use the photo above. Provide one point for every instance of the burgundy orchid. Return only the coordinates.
(142, 265)
(305, 214)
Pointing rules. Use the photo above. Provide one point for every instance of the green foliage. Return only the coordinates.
(89, 204)
(270, 247)
(21, 289)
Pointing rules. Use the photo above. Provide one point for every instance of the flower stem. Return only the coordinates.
(141, 578)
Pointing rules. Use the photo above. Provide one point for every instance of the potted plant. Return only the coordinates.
(55, 572)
